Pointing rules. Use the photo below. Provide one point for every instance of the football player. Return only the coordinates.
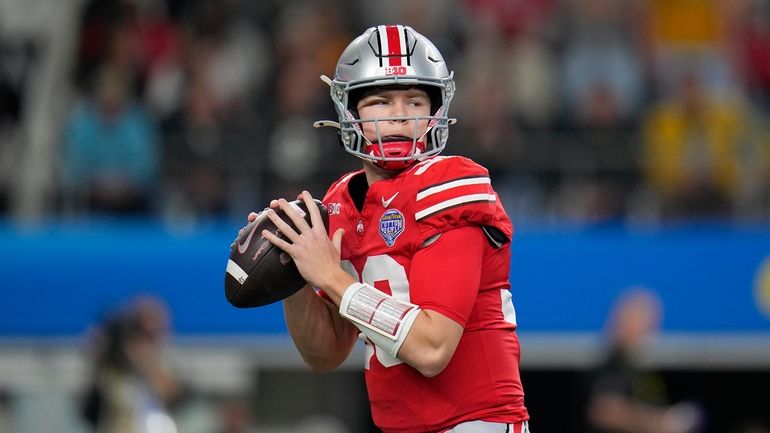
(417, 263)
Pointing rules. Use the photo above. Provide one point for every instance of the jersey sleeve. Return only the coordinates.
(457, 192)
(452, 291)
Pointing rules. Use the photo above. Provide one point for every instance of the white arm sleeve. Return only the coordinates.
(385, 320)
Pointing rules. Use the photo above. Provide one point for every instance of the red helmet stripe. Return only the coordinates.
(394, 45)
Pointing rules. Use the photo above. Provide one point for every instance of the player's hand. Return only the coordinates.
(317, 257)
(273, 205)
(249, 219)
(254, 215)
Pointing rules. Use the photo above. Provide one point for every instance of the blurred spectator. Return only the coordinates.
(603, 84)
(486, 130)
(205, 101)
(235, 416)
(686, 34)
(751, 30)
(133, 389)
(228, 53)
(510, 17)
(18, 56)
(132, 35)
(195, 163)
(110, 149)
(555, 91)
(624, 396)
(531, 77)
(309, 38)
(752, 195)
(98, 21)
(691, 148)
(603, 76)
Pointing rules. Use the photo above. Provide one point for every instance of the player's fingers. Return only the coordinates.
(275, 240)
(337, 240)
(286, 229)
(274, 204)
(293, 212)
(252, 216)
(312, 207)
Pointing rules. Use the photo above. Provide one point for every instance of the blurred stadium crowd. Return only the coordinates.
(583, 110)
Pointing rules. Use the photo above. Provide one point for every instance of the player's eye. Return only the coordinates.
(417, 102)
(368, 102)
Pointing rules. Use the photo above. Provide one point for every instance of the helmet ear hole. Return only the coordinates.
(354, 96)
(436, 99)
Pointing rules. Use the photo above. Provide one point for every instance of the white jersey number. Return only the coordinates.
(378, 271)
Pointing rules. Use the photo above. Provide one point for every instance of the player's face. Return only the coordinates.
(394, 103)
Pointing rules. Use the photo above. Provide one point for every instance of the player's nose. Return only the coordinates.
(398, 109)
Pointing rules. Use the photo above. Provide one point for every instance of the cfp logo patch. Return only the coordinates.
(391, 226)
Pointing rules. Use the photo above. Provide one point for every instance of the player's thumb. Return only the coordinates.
(337, 239)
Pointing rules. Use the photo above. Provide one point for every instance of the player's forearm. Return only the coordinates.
(424, 339)
(431, 342)
(321, 336)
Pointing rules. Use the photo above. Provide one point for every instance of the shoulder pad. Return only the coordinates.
(454, 192)
(337, 185)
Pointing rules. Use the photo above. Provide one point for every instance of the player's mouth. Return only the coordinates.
(396, 138)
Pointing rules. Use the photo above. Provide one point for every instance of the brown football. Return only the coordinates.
(259, 273)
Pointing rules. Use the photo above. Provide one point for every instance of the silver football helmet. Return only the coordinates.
(391, 55)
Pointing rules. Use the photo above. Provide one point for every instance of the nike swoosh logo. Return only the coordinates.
(386, 203)
(242, 247)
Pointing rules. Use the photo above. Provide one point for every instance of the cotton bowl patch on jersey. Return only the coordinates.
(391, 226)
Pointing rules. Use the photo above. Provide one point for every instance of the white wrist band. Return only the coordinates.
(384, 319)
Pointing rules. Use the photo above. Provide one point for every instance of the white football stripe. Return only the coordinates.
(236, 271)
(453, 184)
(454, 202)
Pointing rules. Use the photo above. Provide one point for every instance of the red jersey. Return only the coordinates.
(481, 381)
